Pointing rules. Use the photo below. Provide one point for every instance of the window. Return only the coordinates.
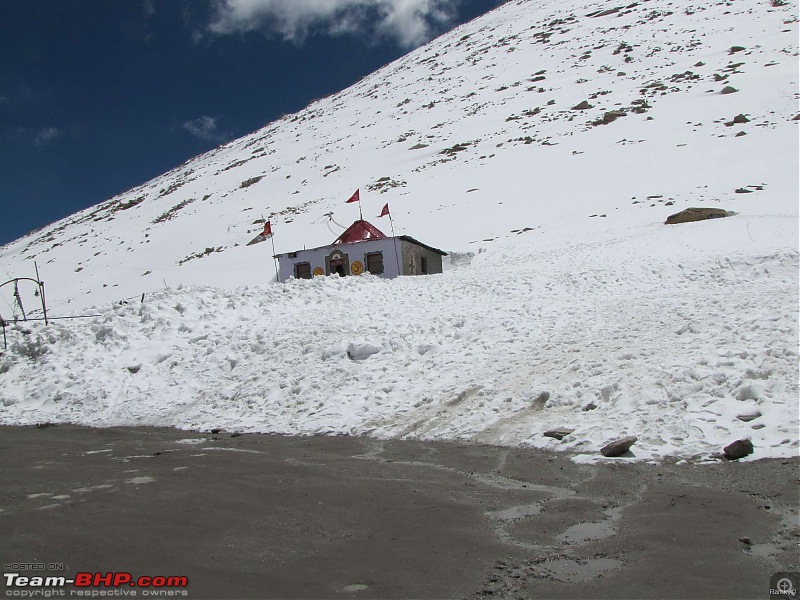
(302, 270)
(423, 263)
(375, 263)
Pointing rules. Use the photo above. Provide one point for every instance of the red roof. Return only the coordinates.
(358, 232)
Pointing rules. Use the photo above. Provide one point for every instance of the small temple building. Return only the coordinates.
(362, 248)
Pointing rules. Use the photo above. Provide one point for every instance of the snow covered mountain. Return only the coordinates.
(543, 146)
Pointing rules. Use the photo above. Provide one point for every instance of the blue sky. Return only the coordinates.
(97, 96)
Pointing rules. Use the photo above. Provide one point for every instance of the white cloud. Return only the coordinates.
(204, 128)
(46, 135)
(409, 22)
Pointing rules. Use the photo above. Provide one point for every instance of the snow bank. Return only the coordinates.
(570, 303)
(688, 352)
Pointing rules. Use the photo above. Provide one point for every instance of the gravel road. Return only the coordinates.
(260, 516)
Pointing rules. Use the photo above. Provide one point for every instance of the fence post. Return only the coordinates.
(44, 302)
(41, 291)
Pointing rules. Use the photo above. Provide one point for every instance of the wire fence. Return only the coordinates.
(15, 320)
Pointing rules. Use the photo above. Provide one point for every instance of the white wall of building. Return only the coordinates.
(355, 252)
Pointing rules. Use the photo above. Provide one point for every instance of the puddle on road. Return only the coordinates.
(501, 519)
(573, 571)
(763, 550)
(593, 531)
(587, 532)
(516, 512)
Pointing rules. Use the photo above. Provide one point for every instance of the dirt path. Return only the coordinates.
(257, 516)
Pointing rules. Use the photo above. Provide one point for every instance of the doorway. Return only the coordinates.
(337, 262)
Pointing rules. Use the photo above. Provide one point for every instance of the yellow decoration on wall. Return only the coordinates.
(357, 268)
(319, 272)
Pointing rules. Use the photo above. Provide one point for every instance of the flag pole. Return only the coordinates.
(274, 259)
(356, 197)
(394, 239)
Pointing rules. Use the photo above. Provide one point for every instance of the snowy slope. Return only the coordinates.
(577, 295)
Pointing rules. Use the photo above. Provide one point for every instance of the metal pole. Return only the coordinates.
(41, 292)
(44, 302)
(394, 239)
(5, 343)
(274, 258)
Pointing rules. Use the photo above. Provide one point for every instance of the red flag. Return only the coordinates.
(384, 211)
(354, 198)
(263, 236)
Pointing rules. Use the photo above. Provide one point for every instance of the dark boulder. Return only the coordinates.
(749, 416)
(618, 447)
(696, 214)
(610, 117)
(738, 449)
(560, 433)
